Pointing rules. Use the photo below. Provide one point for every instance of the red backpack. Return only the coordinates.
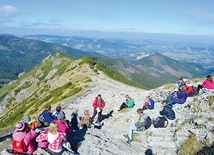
(19, 146)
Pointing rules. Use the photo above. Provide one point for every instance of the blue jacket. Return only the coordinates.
(48, 116)
(182, 96)
(151, 104)
(168, 112)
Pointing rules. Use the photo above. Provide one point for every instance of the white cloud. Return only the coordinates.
(7, 12)
(203, 16)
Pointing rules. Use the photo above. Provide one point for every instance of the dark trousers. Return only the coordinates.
(199, 87)
(123, 106)
(99, 115)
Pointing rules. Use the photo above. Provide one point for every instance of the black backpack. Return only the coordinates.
(195, 91)
(148, 123)
(160, 122)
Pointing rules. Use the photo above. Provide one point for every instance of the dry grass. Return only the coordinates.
(168, 86)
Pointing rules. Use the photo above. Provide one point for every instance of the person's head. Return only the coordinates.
(164, 103)
(148, 152)
(61, 116)
(209, 77)
(86, 112)
(147, 98)
(58, 108)
(98, 96)
(21, 126)
(127, 97)
(53, 128)
(26, 119)
(48, 108)
(180, 79)
(75, 111)
(187, 83)
(140, 111)
(182, 88)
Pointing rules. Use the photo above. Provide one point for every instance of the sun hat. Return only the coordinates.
(20, 126)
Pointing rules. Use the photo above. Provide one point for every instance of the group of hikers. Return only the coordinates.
(54, 132)
(182, 90)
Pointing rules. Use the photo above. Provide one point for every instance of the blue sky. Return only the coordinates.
(191, 17)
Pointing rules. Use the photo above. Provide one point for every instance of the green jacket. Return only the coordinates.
(130, 103)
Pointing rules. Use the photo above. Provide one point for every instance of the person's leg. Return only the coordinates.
(144, 107)
(94, 114)
(123, 106)
(132, 127)
(173, 101)
(199, 87)
(99, 116)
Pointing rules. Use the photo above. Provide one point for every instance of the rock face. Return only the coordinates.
(195, 117)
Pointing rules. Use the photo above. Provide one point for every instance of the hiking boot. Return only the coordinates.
(126, 136)
(129, 141)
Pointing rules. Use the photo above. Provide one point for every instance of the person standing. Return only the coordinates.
(98, 105)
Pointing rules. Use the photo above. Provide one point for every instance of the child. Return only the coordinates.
(58, 111)
(33, 124)
(167, 111)
(128, 104)
(22, 138)
(75, 120)
(55, 139)
(86, 120)
(137, 126)
(149, 103)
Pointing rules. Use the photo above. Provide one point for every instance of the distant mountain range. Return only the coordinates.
(149, 70)
(184, 51)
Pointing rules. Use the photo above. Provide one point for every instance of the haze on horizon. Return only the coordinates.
(125, 19)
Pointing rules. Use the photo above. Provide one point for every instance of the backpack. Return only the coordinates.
(42, 120)
(195, 91)
(86, 122)
(148, 123)
(19, 146)
(159, 122)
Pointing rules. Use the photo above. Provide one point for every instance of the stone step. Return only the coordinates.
(160, 139)
(163, 145)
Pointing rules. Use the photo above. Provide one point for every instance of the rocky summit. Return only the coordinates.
(187, 134)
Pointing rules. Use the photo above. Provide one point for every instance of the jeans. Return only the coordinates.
(173, 101)
(99, 115)
(132, 128)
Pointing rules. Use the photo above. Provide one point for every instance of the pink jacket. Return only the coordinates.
(28, 137)
(208, 84)
(63, 127)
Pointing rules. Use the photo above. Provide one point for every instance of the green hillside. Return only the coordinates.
(57, 78)
(21, 55)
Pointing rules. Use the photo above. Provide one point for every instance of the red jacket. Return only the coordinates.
(190, 90)
(96, 104)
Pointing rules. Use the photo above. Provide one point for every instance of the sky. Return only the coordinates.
(67, 17)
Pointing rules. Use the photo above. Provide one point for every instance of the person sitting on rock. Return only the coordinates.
(167, 111)
(33, 124)
(55, 139)
(149, 103)
(189, 88)
(137, 126)
(128, 104)
(58, 111)
(61, 122)
(48, 115)
(181, 96)
(86, 120)
(98, 105)
(22, 138)
(208, 84)
(75, 120)
(179, 84)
